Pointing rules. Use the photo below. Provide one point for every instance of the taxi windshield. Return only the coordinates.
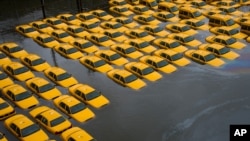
(76, 108)
(15, 49)
(22, 96)
(37, 62)
(64, 34)
(71, 50)
(63, 76)
(114, 57)
(162, 63)
(174, 44)
(99, 63)
(188, 39)
(57, 121)
(78, 30)
(92, 95)
(49, 39)
(130, 78)
(46, 87)
(29, 130)
(231, 41)
(176, 56)
(209, 57)
(157, 29)
(147, 70)
(224, 50)
(130, 50)
(20, 70)
(86, 45)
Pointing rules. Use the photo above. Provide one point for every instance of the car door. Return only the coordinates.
(117, 78)
(196, 57)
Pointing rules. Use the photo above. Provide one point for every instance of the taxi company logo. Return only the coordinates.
(239, 132)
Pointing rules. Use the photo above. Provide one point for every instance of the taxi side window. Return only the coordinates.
(202, 58)
(117, 76)
(195, 55)
(134, 69)
(210, 49)
(149, 62)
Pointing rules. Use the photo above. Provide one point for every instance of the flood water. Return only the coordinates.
(195, 103)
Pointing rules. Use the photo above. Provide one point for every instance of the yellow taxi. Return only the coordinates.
(229, 31)
(84, 45)
(190, 13)
(69, 51)
(231, 11)
(158, 63)
(88, 95)
(60, 76)
(126, 50)
(143, 71)
(3, 137)
(24, 128)
(46, 41)
(185, 39)
(139, 34)
(167, 43)
(12, 49)
(100, 39)
(242, 2)
(35, 62)
(73, 108)
(4, 59)
(41, 26)
(69, 19)
(211, 12)
(20, 96)
(121, 11)
(195, 24)
(204, 57)
(76, 134)
(113, 25)
(146, 19)
(119, 3)
(242, 19)
(141, 45)
(42, 88)
(180, 27)
(115, 35)
(86, 16)
(126, 79)
(55, 23)
(155, 30)
(18, 71)
(5, 80)
(91, 27)
(226, 41)
(95, 63)
(168, 6)
(199, 4)
(61, 36)
(220, 51)
(133, 2)
(248, 39)
(6, 110)
(152, 4)
(226, 3)
(126, 21)
(166, 16)
(141, 9)
(101, 14)
(222, 20)
(27, 30)
(111, 57)
(172, 57)
(76, 31)
(50, 119)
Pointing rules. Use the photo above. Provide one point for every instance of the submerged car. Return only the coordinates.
(220, 51)
(69, 19)
(76, 134)
(69, 51)
(95, 63)
(88, 95)
(226, 41)
(46, 41)
(4, 59)
(172, 57)
(185, 39)
(183, 28)
(55, 23)
(111, 57)
(126, 50)
(229, 31)
(41, 26)
(6, 110)
(113, 25)
(166, 16)
(42, 88)
(158, 63)
(115, 35)
(141, 45)
(204, 57)
(125, 21)
(141, 9)
(24, 128)
(126, 78)
(13, 50)
(27, 30)
(50, 119)
(167, 43)
(84, 45)
(143, 71)
(91, 27)
(60, 76)
(155, 30)
(139, 34)
(146, 19)
(35, 62)
(76, 31)
(5, 80)
(73, 108)
(61, 36)
(121, 10)
(86, 16)
(20, 96)
(101, 14)
(100, 39)
(195, 24)
(18, 71)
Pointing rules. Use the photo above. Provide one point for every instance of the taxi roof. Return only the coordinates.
(189, 9)
(153, 58)
(16, 89)
(202, 52)
(215, 46)
(85, 88)
(32, 56)
(123, 73)
(139, 65)
(65, 15)
(220, 16)
(22, 122)
(9, 44)
(166, 4)
(107, 52)
(92, 58)
(39, 81)
(66, 46)
(70, 101)
(168, 51)
(57, 70)
(15, 65)
(43, 35)
(50, 114)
